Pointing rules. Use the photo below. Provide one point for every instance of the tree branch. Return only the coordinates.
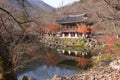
(18, 22)
(2, 9)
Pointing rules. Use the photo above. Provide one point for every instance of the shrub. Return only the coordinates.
(84, 62)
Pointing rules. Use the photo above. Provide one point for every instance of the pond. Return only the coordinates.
(55, 62)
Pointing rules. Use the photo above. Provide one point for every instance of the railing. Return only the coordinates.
(69, 30)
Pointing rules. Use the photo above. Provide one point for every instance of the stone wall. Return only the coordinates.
(54, 42)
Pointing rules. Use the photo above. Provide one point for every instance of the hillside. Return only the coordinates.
(41, 4)
(106, 13)
(36, 10)
(32, 42)
(32, 3)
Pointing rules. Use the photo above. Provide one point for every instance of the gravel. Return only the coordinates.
(103, 73)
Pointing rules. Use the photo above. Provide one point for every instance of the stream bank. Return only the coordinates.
(102, 73)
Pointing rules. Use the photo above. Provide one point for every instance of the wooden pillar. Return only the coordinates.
(63, 51)
(83, 36)
(63, 35)
(69, 35)
(82, 53)
(69, 52)
(6, 67)
(76, 35)
(76, 53)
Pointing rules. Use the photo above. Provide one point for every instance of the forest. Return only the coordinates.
(23, 29)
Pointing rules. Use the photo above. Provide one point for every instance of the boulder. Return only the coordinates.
(115, 64)
(31, 78)
(24, 78)
(56, 77)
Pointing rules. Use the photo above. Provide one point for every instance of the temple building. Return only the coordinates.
(74, 26)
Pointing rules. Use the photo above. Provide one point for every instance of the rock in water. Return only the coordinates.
(31, 78)
(24, 78)
(56, 77)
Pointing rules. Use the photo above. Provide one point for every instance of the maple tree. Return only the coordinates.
(83, 28)
(109, 42)
(83, 62)
(52, 28)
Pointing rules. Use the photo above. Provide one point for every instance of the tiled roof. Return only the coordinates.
(73, 19)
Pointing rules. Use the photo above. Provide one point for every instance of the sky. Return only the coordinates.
(59, 3)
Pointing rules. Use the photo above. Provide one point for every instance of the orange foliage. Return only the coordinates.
(83, 28)
(52, 59)
(52, 28)
(83, 62)
(110, 42)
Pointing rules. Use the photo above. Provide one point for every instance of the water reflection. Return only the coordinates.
(44, 72)
(74, 53)
(80, 59)
(56, 62)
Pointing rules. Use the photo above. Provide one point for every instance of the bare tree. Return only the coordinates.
(8, 42)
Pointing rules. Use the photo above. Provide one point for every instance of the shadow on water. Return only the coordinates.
(56, 62)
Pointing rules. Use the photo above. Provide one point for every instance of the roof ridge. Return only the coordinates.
(79, 15)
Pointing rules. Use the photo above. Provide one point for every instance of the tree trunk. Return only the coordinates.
(6, 67)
